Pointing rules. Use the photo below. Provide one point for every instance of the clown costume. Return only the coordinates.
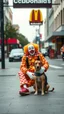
(31, 53)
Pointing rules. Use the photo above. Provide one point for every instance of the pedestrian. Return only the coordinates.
(31, 53)
(62, 51)
(49, 48)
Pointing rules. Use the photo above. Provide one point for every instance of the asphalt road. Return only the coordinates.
(16, 64)
(12, 103)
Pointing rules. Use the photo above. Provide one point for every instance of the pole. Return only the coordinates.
(2, 37)
(39, 38)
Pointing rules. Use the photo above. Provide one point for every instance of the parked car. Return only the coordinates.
(16, 54)
(44, 52)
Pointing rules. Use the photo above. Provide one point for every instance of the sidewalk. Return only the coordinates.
(9, 71)
(12, 103)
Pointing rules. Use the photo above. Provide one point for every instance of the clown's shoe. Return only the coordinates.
(24, 91)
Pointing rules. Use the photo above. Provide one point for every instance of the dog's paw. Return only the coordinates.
(36, 93)
(42, 93)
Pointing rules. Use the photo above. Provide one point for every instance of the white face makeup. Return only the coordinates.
(31, 49)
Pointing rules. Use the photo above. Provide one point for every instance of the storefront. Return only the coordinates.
(56, 40)
(10, 44)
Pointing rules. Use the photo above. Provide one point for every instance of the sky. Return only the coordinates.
(21, 17)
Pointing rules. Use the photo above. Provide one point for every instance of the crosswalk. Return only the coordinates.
(56, 67)
(61, 66)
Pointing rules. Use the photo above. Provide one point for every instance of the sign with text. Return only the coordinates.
(32, 3)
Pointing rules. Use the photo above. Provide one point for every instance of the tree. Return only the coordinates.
(23, 40)
(9, 32)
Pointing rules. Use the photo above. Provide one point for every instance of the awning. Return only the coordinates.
(11, 41)
(60, 33)
(51, 36)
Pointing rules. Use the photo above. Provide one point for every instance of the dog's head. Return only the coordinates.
(37, 65)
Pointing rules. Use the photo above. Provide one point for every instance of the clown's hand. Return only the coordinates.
(30, 74)
(42, 70)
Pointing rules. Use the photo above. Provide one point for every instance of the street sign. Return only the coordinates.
(40, 36)
(32, 3)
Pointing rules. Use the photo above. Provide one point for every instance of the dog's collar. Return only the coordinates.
(38, 74)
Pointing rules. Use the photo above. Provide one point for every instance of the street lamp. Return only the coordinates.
(2, 32)
(2, 36)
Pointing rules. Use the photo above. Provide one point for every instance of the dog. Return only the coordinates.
(41, 83)
(40, 79)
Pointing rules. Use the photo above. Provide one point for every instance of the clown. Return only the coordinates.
(27, 69)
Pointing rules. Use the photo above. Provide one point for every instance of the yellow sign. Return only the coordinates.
(36, 17)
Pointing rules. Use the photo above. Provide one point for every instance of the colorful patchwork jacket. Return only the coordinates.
(27, 63)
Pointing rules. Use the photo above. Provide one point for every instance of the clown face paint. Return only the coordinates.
(31, 49)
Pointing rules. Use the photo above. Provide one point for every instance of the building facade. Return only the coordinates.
(54, 25)
(7, 14)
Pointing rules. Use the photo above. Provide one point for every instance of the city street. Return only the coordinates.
(33, 26)
(12, 103)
